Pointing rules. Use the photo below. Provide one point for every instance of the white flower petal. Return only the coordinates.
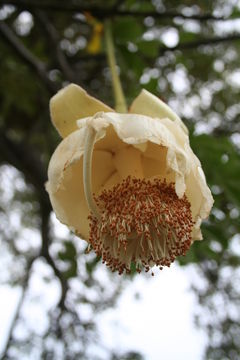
(65, 185)
(150, 105)
(127, 144)
(139, 129)
(72, 103)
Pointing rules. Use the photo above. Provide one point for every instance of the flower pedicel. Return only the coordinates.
(129, 184)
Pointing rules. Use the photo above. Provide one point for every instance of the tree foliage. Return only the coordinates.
(184, 52)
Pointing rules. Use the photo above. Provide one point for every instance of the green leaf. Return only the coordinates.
(127, 29)
(90, 265)
(235, 14)
(72, 270)
(131, 61)
(151, 85)
(69, 253)
(149, 48)
(185, 36)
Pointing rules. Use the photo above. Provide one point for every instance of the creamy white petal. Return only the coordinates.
(139, 129)
(72, 103)
(65, 185)
(150, 105)
(127, 144)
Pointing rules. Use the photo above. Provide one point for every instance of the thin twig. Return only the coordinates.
(37, 65)
(104, 12)
(53, 36)
(18, 308)
(118, 4)
(45, 234)
(196, 43)
(58, 274)
(24, 158)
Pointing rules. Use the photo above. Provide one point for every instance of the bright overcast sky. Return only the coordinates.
(159, 324)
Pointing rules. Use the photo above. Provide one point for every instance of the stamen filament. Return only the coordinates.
(87, 170)
(145, 224)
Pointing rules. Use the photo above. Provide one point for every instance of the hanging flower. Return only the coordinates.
(150, 193)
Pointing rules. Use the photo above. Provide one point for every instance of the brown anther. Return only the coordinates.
(142, 222)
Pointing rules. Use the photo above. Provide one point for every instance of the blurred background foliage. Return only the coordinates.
(187, 53)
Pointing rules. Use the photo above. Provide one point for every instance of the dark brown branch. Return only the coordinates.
(24, 158)
(37, 65)
(19, 306)
(201, 42)
(118, 4)
(104, 12)
(63, 282)
(45, 233)
(53, 36)
(45, 217)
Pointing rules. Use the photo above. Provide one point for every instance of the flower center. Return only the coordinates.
(141, 222)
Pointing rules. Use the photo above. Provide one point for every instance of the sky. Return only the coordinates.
(154, 315)
(160, 323)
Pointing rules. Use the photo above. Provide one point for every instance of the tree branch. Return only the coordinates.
(24, 158)
(63, 282)
(103, 13)
(37, 65)
(196, 43)
(45, 216)
(4, 355)
(53, 35)
(118, 4)
(45, 230)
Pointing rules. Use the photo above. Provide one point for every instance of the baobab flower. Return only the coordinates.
(129, 184)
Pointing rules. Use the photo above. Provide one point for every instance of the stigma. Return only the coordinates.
(142, 223)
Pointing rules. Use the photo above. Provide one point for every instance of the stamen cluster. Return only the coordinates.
(143, 222)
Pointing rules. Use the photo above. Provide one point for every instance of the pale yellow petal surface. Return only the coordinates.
(127, 144)
(72, 103)
(139, 129)
(198, 194)
(150, 105)
(65, 185)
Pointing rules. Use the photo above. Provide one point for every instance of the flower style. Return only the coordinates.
(150, 193)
